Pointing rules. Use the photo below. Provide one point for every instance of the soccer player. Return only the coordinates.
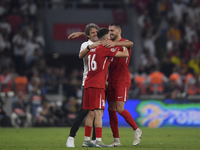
(94, 89)
(118, 87)
(91, 33)
(121, 79)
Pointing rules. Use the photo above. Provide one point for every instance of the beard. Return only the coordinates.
(113, 37)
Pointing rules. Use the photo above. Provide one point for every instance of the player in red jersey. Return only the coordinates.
(94, 89)
(119, 82)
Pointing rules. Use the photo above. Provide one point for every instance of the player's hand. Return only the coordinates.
(108, 43)
(75, 35)
(95, 44)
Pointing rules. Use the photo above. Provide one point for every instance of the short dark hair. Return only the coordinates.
(116, 25)
(88, 27)
(102, 32)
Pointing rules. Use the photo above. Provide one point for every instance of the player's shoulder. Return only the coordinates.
(85, 43)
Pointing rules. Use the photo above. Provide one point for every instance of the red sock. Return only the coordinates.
(114, 123)
(98, 131)
(88, 131)
(129, 119)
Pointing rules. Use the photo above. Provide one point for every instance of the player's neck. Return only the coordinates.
(92, 41)
(118, 39)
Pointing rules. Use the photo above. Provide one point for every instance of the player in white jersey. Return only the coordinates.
(91, 33)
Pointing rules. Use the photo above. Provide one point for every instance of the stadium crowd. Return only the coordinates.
(170, 62)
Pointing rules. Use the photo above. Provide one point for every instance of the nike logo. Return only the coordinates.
(119, 96)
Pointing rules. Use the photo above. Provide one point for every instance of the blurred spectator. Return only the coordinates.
(198, 84)
(144, 20)
(4, 4)
(19, 42)
(176, 58)
(5, 45)
(4, 118)
(190, 31)
(61, 79)
(49, 80)
(19, 112)
(194, 63)
(15, 19)
(155, 81)
(149, 42)
(21, 84)
(32, 51)
(139, 78)
(35, 93)
(29, 8)
(179, 8)
(176, 77)
(189, 52)
(5, 26)
(5, 61)
(190, 82)
(41, 65)
(44, 115)
(171, 89)
(70, 109)
(175, 31)
(141, 6)
(183, 64)
(148, 60)
(6, 81)
(166, 66)
(39, 39)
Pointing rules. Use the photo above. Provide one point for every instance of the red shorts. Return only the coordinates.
(94, 98)
(118, 91)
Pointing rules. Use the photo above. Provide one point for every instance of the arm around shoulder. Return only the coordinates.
(83, 53)
(127, 43)
(123, 54)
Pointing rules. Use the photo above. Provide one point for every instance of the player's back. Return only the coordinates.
(98, 61)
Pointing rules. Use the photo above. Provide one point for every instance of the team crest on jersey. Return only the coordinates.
(113, 49)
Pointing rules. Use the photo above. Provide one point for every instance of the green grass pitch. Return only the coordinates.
(55, 139)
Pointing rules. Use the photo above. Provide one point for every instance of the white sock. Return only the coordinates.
(98, 139)
(136, 130)
(70, 137)
(86, 138)
(116, 139)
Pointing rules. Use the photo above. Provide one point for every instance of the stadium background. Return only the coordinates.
(34, 45)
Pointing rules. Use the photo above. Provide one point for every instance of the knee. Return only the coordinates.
(98, 113)
(91, 114)
(119, 108)
(112, 106)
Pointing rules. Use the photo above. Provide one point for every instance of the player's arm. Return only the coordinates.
(75, 35)
(123, 54)
(110, 43)
(88, 48)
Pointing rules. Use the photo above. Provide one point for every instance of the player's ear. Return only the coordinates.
(120, 30)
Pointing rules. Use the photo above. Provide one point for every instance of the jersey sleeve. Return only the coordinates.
(110, 51)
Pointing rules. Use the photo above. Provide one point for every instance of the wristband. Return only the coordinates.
(88, 47)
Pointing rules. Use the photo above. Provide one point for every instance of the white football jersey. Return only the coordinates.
(84, 46)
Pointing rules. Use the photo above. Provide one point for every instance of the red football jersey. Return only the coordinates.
(119, 71)
(98, 62)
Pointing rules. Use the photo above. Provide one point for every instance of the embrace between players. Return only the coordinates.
(104, 49)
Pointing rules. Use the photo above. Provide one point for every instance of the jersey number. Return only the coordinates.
(92, 64)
